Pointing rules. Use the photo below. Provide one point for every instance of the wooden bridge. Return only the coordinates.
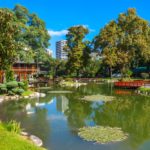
(131, 84)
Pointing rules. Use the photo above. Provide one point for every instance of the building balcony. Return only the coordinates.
(24, 69)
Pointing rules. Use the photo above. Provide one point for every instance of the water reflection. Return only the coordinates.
(62, 103)
(57, 117)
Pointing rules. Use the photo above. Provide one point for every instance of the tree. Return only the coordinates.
(75, 47)
(92, 68)
(9, 47)
(125, 41)
(106, 41)
(34, 36)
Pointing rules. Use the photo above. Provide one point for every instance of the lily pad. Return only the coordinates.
(44, 88)
(102, 135)
(98, 98)
(60, 92)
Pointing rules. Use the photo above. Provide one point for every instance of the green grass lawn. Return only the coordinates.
(13, 141)
(27, 93)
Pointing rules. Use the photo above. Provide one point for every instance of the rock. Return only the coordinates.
(1, 99)
(24, 133)
(12, 97)
(42, 94)
(37, 141)
(26, 97)
(6, 98)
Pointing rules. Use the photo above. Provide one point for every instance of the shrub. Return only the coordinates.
(2, 86)
(145, 75)
(144, 89)
(3, 90)
(9, 75)
(18, 91)
(69, 79)
(13, 126)
(11, 93)
(21, 84)
(129, 73)
(12, 84)
(26, 85)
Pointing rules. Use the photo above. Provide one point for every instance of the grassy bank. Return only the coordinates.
(27, 93)
(13, 141)
(144, 91)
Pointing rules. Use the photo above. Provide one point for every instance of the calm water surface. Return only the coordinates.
(57, 117)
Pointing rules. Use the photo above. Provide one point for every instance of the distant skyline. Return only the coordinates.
(59, 15)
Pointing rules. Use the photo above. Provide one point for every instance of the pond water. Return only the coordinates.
(57, 117)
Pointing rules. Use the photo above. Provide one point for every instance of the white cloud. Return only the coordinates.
(64, 32)
(58, 33)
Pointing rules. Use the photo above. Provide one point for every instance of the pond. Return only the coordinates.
(57, 118)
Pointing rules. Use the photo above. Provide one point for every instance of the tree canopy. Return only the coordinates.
(34, 36)
(124, 42)
(76, 47)
(9, 29)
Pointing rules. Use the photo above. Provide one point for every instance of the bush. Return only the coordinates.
(69, 79)
(2, 86)
(9, 75)
(18, 91)
(11, 93)
(3, 90)
(13, 126)
(129, 73)
(21, 84)
(144, 89)
(145, 75)
(12, 84)
(26, 85)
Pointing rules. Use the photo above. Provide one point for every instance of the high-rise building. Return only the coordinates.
(49, 52)
(60, 53)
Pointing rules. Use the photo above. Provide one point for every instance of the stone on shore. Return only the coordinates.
(37, 141)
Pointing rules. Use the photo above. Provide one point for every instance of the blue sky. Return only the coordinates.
(59, 15)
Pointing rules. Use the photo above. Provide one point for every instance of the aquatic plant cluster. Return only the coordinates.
(98, 98)
(102, 135)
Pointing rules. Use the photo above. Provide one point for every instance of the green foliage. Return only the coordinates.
(21, 84)
(2, 85)
(9, 29)
(26, 85)
(12, 84)
(145, 75)
(69, 79)
(124, 42)
(13, 141)
(3, 88)
(128, 73)
(18, 91)
(10, 93)
(9, 74)
(27, 93)
(91, 69)
(14, 87)
(144, 89)
(13, 126)
(76, 47)
(34, 36)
